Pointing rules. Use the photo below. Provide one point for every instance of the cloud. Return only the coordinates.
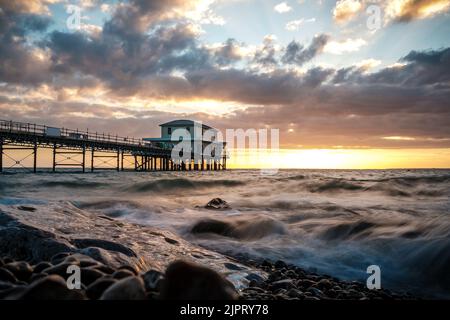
(20, 61)
(266, 55)
(149, 52)
(282, 7)
(346, 10)
(340, 47)
(295, 24)
(295, 53)
(37, 7)
(407, 10)
(228, 52)
(393, 10)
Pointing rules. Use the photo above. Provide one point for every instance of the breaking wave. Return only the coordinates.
(162, 185)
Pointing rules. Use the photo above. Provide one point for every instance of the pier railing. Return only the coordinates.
(42, 130)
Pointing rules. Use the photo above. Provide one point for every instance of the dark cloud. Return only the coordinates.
(20, 62)
(228, 53)
(278, 87)
(419, 69)
(295, 53)
(166, 49)
(266, 56)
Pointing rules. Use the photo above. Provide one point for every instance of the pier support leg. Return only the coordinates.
(92, 160)
(35, 157)
(1, 154)
(121, 163)
(118, 159)
(135, 163)
(54, 157)
(83, 164)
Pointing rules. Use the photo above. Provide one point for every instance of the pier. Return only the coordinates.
(72, 148)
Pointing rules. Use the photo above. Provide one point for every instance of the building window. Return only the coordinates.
(169, 130)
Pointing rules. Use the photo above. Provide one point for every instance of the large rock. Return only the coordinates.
(217, 204)
(188, 281)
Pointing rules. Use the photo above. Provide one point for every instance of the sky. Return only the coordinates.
(348, 83)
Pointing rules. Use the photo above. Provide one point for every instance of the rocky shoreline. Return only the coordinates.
(123, 261)
(182, 280)
(289, 282)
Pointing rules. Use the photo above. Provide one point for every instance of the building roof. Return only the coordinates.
(182, 123)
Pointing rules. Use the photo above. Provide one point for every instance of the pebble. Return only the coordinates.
(95, 290)
(7, 276)
(41, 266)
(130, 288)
(129, 268)
(21, 269)
(152, 280)
(52, 287)
(60, 270)
(121, 274)
(282, 284)
(103, 268)
(37, 276)
(59, 257)
(88, 276)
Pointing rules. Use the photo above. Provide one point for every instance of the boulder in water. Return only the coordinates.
(217, 204)
(246, 228)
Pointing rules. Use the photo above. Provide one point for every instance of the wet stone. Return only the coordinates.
(7, 276)
(130, 288)
(95, 290)
(21, 269)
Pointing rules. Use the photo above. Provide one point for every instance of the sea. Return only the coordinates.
(334, 222)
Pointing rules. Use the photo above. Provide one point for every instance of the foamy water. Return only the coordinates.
(336, 222)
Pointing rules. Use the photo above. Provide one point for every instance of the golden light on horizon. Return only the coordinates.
(302, 158)
(340, 158)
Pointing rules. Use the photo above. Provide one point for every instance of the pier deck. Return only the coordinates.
(71, 144)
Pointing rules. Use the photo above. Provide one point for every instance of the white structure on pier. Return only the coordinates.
(199, 135)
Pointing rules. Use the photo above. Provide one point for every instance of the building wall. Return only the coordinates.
(166, 135)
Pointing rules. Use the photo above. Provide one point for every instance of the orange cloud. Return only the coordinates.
(407, 10)
(346, 10)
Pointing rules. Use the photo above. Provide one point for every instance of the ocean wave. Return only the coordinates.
(333, 186)
(75, 184)
(346, 231)
(162, 185)
(397, 187)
